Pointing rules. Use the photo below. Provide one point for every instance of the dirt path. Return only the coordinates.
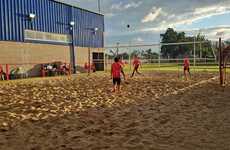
(197, 119)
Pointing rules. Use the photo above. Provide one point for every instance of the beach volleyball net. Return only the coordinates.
(203, 56)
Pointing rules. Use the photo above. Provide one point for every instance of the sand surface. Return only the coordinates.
(80, 113)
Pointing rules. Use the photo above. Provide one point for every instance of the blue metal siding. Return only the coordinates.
(51, 17)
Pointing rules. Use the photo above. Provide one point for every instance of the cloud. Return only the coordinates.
(152, 15)
(173, 20)
(214, 33)
(109, 15)
(121, 6)
(210, 9)
(138, 39)
(132, 5)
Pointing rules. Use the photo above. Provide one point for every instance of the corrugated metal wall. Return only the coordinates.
(52, 17)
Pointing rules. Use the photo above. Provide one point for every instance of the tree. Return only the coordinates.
(170, 36)
(149, 54)
(227, 42)
(178, 51)
(135, 52)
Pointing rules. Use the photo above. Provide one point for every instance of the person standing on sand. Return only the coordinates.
(136, 65)
(186, 67)
(116, 71)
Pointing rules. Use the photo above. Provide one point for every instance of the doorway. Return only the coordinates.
(98, 60)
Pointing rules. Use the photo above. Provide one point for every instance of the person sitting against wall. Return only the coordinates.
(49, 68)
(55, 69)
(64, 69)
(13, 73)
(2, 74)
(19, 73)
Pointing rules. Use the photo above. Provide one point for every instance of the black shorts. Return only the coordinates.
(186, 68)
(117, 81)
(136, 67)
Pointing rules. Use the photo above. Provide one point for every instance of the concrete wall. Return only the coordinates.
(24, 53)
(29, 55)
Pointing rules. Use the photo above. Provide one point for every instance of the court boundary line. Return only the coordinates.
(192, 86)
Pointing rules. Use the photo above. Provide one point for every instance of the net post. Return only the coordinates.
(194, 53)
(221, 62)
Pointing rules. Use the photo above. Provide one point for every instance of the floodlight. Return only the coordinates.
(72, 23)
(95, 29)
(32, 16)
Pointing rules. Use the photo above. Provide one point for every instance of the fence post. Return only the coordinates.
(194, 52)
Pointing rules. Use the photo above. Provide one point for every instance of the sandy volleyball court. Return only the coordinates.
(81, 113)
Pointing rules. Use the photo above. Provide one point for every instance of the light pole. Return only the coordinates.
(72, 23)
(99, 6)
(221, 65)
(32, 16)
(93, 31)
(159, 57)
(130, 68)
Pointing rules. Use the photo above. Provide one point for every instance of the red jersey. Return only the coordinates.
(186, 62)
(116, 70)
(136, 62)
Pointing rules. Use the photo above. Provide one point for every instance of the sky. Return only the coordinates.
(149, 18)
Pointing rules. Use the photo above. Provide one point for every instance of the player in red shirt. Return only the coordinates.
(136, 65)
(186, 67)
(116, 71)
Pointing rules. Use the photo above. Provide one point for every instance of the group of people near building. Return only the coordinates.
(14, 73)
(117, 70)
(56, 68)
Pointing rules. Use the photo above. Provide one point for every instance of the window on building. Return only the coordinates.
(47, 37)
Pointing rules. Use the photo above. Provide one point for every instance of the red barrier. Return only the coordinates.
(7, 72)
(1, 72)
(69, 71)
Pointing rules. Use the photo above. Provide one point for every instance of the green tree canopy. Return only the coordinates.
(178, 51)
